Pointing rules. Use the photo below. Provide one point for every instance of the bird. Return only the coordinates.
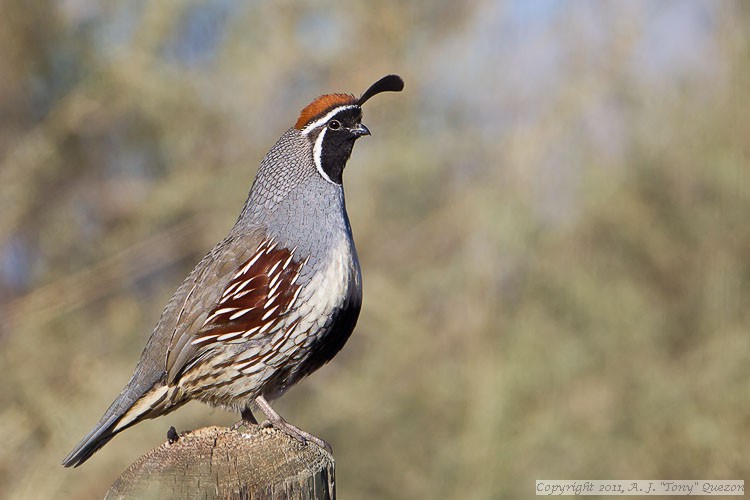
(273, 301)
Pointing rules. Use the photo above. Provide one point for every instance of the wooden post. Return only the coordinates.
(221, 463)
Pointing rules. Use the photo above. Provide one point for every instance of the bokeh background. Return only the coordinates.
(552, 221)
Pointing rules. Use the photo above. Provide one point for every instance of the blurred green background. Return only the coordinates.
(552, 221)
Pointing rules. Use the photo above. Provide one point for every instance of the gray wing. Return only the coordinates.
(146, 395)
(249, 295)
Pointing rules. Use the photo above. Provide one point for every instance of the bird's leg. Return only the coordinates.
(247, 418)
(277, 421)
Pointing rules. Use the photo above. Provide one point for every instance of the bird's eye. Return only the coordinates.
(334, 124)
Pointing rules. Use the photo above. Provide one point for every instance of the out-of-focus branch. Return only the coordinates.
(73, 291)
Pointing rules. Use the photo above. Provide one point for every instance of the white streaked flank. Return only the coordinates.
(294, 298)
(270, 301)
(219, 312)
(269, 312)
(247, 266)
(229, 289)
(265, 327)
(289, 259)
(273, 282)
(271, 246)
(274, 288)
(270, 271)
(203, 339)
(228, 335)
(238, 296)
(240, 313)
(250, 332)
(243, 285)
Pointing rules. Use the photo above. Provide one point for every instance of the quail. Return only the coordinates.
(274, 300)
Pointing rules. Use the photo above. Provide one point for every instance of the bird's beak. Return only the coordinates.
(360, 130)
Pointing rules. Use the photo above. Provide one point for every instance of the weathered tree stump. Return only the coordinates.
(221, 463)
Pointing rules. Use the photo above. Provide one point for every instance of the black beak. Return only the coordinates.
(360, 130)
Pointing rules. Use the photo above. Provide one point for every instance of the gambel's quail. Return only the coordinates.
(273, 301)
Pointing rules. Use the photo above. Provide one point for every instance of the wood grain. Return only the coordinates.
(221, 463)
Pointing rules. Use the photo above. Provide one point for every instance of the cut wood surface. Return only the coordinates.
(221, 463)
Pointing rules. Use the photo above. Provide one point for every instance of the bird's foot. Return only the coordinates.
(296, 433)
(276, 421)
(247, 420)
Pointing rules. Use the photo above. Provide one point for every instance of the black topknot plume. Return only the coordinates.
(389, 83)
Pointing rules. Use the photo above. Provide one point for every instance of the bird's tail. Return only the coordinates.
(128, 409)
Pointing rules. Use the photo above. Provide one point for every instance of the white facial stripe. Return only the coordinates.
(318, 154)
(327, 117)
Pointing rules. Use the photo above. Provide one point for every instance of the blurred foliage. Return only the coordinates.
(552, 224)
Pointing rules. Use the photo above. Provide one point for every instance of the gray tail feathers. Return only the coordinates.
(95, 439)
(127, 410)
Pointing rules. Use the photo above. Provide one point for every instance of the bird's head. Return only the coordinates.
(332, 122)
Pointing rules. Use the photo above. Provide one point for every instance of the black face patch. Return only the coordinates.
(334, 142)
